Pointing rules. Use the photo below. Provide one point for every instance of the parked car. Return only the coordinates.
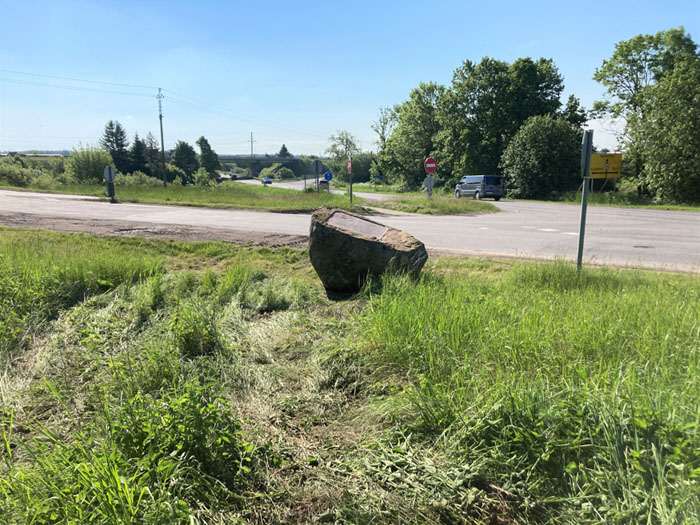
(480, 186)
(323, 184)
(267, 180)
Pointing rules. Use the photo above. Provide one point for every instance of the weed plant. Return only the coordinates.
(581, 389)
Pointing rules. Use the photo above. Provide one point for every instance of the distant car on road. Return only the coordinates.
(267, 180)
(323, 184)
(480, 186)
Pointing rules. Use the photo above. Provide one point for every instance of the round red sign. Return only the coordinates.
(430, 165)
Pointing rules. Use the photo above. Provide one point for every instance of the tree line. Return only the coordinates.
(143, 156)
(499, 117)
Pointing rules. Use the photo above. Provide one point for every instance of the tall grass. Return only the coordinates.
(40, 276)
(583, 390)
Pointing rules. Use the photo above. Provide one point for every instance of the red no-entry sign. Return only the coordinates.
(430, 165)
(349, 164)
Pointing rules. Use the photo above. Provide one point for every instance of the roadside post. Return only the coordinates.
(318, 168)
(350, 173)
(586, 147)
(430, 166)
(109, 175)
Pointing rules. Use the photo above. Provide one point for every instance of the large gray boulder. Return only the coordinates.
(346, 249)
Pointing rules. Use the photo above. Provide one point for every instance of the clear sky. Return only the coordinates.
(290, 72)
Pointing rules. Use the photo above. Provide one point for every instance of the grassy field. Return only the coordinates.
(163, 382)
(224, 195)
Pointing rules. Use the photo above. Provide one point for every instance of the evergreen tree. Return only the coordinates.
(115, 142)
(185, 158)
(153, 154)
(137, 155)
(208, 159)
(284, 152)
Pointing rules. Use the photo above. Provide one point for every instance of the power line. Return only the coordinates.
(76, 79)
(71, 88)
(197, 104)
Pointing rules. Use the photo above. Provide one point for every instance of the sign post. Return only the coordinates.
(318, 167)
(109, 175)
(350, 173)
(430, 166)
(586, 147)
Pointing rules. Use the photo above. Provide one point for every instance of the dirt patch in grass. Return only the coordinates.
(116, 228)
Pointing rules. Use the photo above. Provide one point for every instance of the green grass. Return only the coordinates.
(225, 195)
(580, 393)
(438, 205)
(626, 199)
(164, 382)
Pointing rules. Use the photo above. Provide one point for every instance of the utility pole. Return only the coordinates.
(251, 143)
(162, 145)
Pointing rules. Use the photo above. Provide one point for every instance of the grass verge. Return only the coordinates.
(438, 205)
(225, 195)
(215, 383)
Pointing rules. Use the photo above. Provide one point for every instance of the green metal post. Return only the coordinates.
(586, 148)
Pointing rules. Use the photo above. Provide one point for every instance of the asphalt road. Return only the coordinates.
(614, 236)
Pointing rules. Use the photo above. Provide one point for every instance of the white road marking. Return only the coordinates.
(570, 233)
(529, 227)
(547, 230)
(483, 228)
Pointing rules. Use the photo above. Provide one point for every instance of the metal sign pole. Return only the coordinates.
(586, 147)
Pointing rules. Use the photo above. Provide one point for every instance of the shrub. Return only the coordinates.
(87, 164)
(543, 159)
(203, 178)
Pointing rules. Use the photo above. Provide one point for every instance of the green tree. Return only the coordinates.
(153, 154)
(486, 105)
(137, 155)
(543, 159)
(284, 152)
(384, 125)
(342, 144)
(574, 113)
(185, 158)
(87, 164)
(208, 159)
(413, 138)
(635, 66)
(668, 136)
(115, 142)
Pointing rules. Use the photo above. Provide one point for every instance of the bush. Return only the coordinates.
(137, 178)
(543, 159)
(277, 171)
(203, 178)
(87, 164)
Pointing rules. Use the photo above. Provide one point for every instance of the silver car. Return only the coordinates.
(480, 186)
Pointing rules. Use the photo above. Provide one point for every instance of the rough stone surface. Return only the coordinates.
(346, 248)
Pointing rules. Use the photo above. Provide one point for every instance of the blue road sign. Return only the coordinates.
(328, 176)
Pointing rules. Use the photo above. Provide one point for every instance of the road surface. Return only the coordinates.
(614, 236)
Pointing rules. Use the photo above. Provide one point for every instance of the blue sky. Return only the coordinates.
(290, 72)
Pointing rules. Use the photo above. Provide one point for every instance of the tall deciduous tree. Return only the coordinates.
(668, 137)
(208, 159)
(115, 142)
(413, 138)
(486, 105)
(574, 113)
(342, 144)
(635, 66)
(185, 158)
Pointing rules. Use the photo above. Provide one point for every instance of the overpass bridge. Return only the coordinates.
(255, 163)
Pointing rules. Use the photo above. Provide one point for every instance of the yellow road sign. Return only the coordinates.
(606, 165)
